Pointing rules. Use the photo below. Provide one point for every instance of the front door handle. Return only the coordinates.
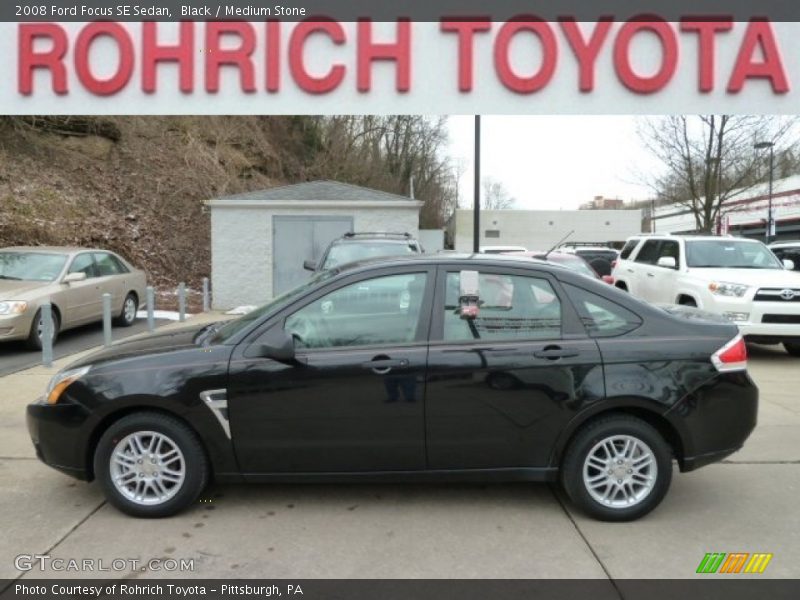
(650, 275)
(555, 353)
(381, 365)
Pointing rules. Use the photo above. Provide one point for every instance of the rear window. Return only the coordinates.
(628, 248)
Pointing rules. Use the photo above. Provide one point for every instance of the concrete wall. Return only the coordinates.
(241, 245)
(541, 229)
(432, 240)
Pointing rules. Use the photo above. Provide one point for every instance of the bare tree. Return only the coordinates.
(495, 195)
(710, 159)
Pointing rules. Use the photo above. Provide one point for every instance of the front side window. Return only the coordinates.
(511, 307)
(83, 263)
(670, 249)
(380, 311)
(601, 317)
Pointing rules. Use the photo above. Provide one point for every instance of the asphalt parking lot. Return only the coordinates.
(749, 503)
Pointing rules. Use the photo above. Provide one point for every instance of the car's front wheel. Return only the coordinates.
(127, 316)
(617, 468)
(34, 341)
(792, 348)
(151, 465)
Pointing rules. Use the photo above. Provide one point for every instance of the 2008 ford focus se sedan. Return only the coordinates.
(444, 368)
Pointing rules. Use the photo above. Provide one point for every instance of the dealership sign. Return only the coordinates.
(522, 65)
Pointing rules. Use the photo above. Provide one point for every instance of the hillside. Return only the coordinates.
(136, 185)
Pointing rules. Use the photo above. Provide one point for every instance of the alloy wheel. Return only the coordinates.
(147, 467)
(620, 471)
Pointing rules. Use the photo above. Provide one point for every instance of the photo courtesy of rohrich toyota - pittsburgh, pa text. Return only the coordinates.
(345, 300)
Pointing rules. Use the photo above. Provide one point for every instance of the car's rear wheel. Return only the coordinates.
(151, 465)
(34, 341)
(127, 316)
(792, 348)
(617, 468)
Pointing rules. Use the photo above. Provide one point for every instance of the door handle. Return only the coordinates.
(630, 270)
(381, 366)
(650, 275)
(555, 353)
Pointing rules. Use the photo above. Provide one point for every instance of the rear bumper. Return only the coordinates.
(715, 420)
(57, 435)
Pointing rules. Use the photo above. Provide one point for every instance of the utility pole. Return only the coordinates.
(770, 217)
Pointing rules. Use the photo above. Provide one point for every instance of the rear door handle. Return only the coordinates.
(381, 366)
(650, 275)
(555, 353)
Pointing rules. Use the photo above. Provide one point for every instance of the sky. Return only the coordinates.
(554, 162)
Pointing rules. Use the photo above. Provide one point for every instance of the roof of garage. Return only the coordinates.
(319, 191)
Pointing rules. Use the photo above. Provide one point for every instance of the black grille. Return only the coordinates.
(785, 319)
(774, 295)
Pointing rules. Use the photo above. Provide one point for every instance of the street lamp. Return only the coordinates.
(771, 146)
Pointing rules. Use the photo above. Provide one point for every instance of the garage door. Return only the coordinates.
(296, 239)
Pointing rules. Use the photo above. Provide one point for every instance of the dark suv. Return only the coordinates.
(353, 247)
(425, 368)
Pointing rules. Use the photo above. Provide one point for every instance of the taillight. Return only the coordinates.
(732, 356)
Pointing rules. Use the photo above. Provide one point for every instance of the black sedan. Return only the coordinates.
(445, 368)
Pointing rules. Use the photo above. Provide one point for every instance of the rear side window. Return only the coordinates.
(512, 307)
(648, 253)
(628, 248)
(601, 317)
(108, 265)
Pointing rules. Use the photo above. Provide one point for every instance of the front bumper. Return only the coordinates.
(16, 327)
(715, 420)
(58, 436)
(755, 328)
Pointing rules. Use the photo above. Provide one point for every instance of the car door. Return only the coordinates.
(643, 270)
(352, 400)
(500, 387)
(660, 281)
(111, 280)
(83, 299)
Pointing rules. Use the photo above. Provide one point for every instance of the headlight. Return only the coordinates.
(62, 381)
(12, 307)
(721, 288)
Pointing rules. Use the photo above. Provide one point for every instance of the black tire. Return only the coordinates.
(34, 342)
(588, 438)
(621, 285)
(687, 302)
(196, 468)
(793, 348)
(126, 318)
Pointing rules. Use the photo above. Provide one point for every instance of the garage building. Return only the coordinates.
(260, 239)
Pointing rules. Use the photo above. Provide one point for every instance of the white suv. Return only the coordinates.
(737, 278)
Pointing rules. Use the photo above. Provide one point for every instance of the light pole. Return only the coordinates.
(476, 208)
(771, 146)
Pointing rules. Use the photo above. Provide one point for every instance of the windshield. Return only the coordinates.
(730, 254)
(233, 327)
(348, 252)
(573, 263)
(31, 266)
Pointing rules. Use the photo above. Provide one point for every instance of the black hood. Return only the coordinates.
(156, 343)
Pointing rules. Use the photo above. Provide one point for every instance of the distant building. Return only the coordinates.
(542, 229)
(601, 203)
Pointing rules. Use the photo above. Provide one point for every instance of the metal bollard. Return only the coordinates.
(206, 296)
(47, 334)
(106, 320)
(181, 302)
(151, 307)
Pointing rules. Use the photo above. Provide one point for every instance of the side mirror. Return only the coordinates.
(468, 294)
(788, 264)
(310, 265)
(74, 277)
(668, 262)
(276, 345)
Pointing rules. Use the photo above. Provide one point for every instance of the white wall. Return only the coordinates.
(541, 229)
(241, 245)
(432, 240)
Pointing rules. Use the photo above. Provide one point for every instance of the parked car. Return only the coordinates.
(737, 278)
(501, 249)
(73, 279)
(421, 368)
(788, 250)
(601, 258)
(570, 261)
(353, 247)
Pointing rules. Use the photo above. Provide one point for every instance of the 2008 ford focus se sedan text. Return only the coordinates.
(449, 367)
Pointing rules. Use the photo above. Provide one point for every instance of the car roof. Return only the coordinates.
(690, 237)
(369, 239)
(469, 259)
